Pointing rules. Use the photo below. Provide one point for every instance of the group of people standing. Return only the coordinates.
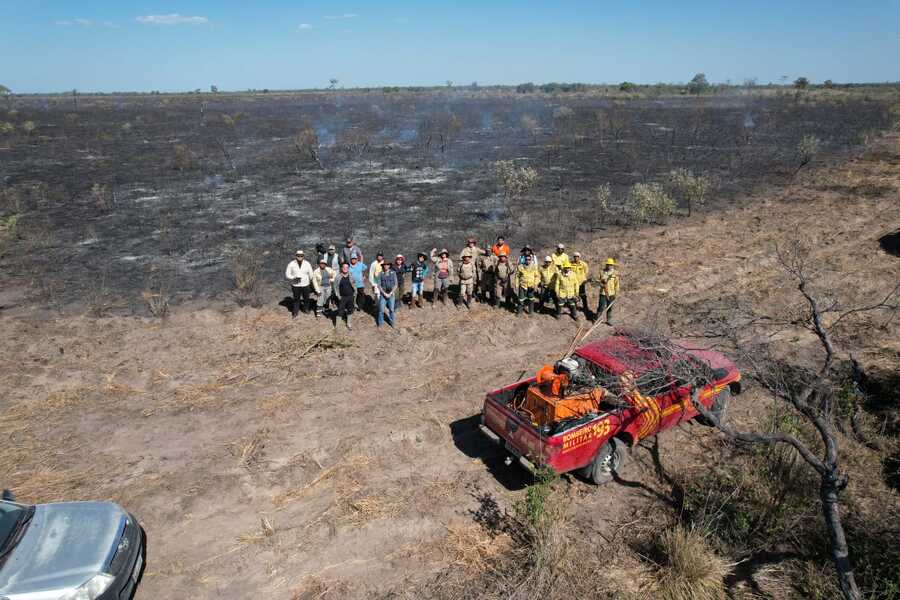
(485, 274)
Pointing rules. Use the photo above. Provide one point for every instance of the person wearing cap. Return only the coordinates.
(609, 290)
(471, 250)
(350, 248)
(322, 279)
(418, 273)
(332, 258)
(400, 267)
(387, 295)
(528, 277)
(559, 256)
(299, 272)
(567, 291)
(375, 270)
(548, 273)
(486, 266)
(581, 270)
(503, 280)
(466, 274)
(344, 290)
(443, 267)
(500, 247)
(357, 270)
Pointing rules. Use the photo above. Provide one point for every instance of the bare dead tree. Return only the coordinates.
(810, 393)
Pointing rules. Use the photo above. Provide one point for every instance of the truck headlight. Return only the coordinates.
(91, 589)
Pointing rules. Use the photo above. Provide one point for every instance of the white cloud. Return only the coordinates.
(81, 22)
(304, 26)
(172, 19)
(340, 17)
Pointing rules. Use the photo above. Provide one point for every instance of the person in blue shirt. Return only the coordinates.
(358, 275)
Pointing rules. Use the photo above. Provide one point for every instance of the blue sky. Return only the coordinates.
(106, 45)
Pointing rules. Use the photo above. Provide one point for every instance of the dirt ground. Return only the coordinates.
(273, 458)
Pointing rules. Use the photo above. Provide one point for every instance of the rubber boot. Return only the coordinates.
(519, 307)
(527, 308)
(348, 320)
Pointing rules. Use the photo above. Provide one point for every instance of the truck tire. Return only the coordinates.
(608, 462)
(719, 408)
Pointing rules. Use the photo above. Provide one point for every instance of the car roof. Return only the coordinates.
(620, 352)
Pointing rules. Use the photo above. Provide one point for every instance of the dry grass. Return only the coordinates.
(687, 568)
(34, 461)
(249, 451)
(475, 550)
(349, 466)
(265, 532)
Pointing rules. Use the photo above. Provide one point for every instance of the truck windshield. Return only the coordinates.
(10, 514)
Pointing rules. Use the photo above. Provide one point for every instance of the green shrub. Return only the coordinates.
(648, 203)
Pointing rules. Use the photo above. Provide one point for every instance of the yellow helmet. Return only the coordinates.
(611, 262)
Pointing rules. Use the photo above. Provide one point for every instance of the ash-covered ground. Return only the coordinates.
(134, 192)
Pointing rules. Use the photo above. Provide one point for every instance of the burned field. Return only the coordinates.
(159, 194)
(274, 458)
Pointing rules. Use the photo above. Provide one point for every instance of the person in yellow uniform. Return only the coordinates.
(609, 290)
(559, 256)
(581, 269)
(567, 291)
(548, 282)
(528, 276)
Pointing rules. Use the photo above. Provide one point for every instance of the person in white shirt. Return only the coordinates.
(322, 281)
(375, 270)
(299, 272)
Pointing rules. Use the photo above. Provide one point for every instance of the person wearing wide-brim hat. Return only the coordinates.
(474, 253)
(418, 271)
(400, 267)
(609, 290)
(443, 268)
(322, 280)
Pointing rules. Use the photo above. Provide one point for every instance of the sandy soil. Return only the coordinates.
(273, 458)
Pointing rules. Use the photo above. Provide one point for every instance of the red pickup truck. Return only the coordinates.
(596, 442)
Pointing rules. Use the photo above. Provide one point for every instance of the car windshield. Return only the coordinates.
(9, 516)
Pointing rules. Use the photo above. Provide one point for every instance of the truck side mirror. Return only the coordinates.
(8, 496)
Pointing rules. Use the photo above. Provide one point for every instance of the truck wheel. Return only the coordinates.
(609, 462)
(719, 408)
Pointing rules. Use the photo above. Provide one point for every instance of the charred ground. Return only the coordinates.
(143, 192)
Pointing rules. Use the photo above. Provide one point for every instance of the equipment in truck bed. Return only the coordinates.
(546, 409)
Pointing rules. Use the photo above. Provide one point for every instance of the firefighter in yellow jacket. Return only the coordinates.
(609, 290)
(567, 291)
(548, 282)
(581, 270)
(528, 277)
